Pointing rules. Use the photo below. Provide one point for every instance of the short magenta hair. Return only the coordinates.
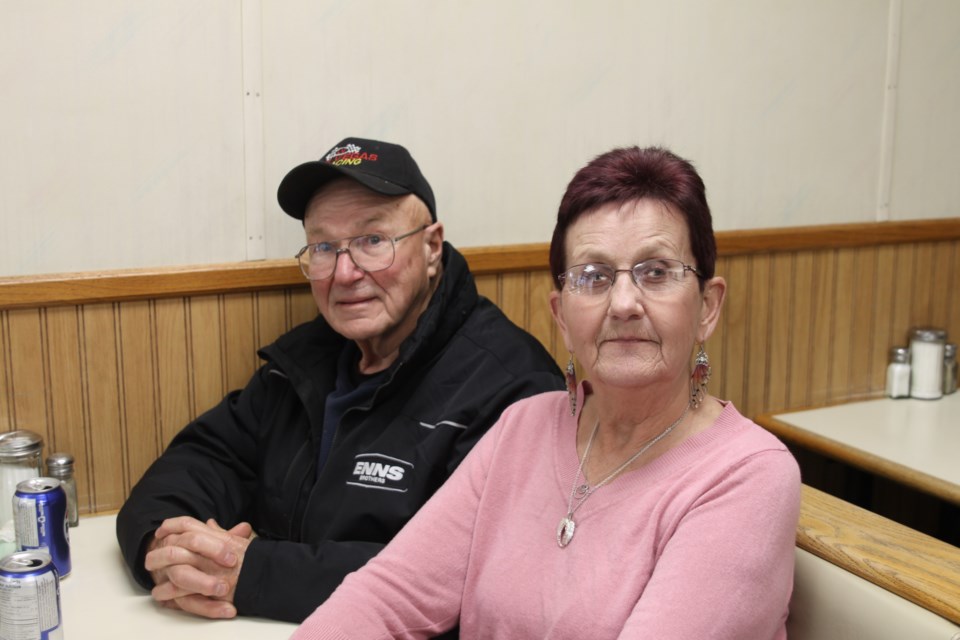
(633, 173)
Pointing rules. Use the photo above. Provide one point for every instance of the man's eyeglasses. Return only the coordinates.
(657, 275)
(372, 252)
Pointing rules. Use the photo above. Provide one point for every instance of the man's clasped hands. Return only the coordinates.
(195, 565)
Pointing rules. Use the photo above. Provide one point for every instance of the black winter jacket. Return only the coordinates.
(254, 456)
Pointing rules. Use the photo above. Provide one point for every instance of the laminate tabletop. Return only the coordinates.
(915, 442)
(100, 601)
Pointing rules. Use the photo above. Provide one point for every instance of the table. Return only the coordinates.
(913, 442)
(100, 600)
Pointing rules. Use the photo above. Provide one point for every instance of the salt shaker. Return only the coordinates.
(60, 466)
(949, 368)
(926, 362)
(898, 373)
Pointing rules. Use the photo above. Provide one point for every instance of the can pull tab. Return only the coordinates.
(26, 563)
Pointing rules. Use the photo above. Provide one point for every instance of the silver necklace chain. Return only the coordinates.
(567, 525)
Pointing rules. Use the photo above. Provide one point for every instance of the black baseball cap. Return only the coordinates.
(380, 166)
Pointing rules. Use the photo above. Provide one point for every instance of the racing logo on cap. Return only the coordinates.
(377, 471)
(349, 154)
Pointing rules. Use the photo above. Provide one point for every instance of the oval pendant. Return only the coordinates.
(565, 531)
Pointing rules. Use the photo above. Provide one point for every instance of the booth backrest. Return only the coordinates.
(860, 575)
(831, 603)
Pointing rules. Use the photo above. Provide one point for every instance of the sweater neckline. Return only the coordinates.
(567, 461)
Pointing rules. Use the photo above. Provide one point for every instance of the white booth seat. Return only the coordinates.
(860, 576)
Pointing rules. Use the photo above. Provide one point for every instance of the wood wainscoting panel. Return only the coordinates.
(110, 367)
(780, 329)
(822, 335)
(540, 321)
(489, 287)
(950, 283)
(800, 334)
(730, 378)
(139, 392)
(757, 329)
(884, 336)
(302, 307)
(104, 468)
(842, 326)
(207, 353)
(944, 270)
(902, 310)
(271, 317)
(923, 268)
(27, 372)
(240, 339)
(6, 387)
(66, 398)
(515, 297)
(175, 376)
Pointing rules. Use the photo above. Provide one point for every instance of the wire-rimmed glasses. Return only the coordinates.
(656, 275)
(370, 252)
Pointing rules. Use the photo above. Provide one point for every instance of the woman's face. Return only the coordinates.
(628, 337)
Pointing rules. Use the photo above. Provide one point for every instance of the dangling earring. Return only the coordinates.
(699, 378)
(571, 376)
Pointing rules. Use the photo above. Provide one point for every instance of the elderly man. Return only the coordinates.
(264, 503)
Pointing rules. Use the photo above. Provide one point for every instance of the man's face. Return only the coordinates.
(376, 309)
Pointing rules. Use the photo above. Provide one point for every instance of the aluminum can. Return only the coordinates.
(40, 512)
(29, 597)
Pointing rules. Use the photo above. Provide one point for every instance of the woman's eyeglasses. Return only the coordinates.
(657, 275)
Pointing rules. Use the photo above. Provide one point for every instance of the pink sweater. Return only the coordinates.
(699, 543)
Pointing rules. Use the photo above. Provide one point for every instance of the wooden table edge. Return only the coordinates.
(859, 458)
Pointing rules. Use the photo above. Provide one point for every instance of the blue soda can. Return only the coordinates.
(29, 597)
(40, 514)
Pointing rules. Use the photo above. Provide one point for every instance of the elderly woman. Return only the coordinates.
(637, 506)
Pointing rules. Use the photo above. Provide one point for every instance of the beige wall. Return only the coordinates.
(148, 134)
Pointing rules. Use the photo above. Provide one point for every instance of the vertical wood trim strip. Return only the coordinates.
(922, 296)
(953, 286)
(883, 316)
(191, 361)
(903, 296)
(844, 302)
(759, 347)
(861, 330)
(821, 321)
(939, 302)
(6, 377)
(125, 385)
(802, 338)
(779, 330)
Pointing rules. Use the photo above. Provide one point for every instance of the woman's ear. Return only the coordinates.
(714, 292)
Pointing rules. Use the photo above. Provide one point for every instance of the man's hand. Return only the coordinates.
(195, 565)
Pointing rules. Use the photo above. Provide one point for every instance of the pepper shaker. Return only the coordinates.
(949, 368)
(60, 466)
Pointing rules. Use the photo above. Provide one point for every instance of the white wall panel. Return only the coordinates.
(125, 140)
(926, 168)
(121, 134)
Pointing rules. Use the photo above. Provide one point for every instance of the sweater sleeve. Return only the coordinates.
(726, 572)
(414, 587)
